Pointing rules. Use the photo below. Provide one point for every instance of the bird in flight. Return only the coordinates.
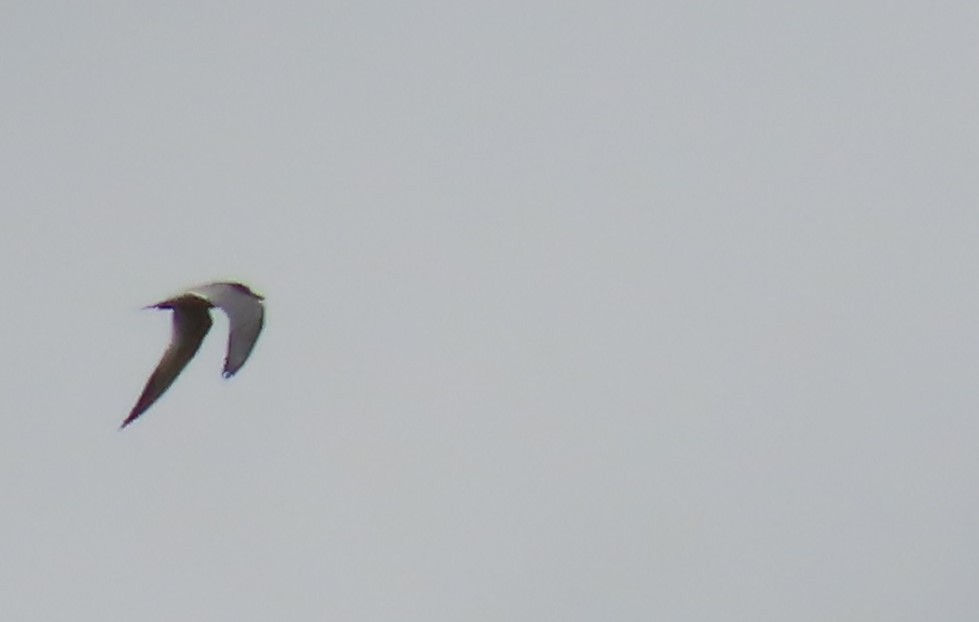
(191, 321)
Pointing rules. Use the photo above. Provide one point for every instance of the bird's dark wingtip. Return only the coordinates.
(132, 417)
(228, 372)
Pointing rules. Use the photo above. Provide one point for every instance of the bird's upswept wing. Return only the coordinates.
(245, 318)
(191, 321)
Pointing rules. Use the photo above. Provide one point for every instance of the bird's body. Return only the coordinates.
(191, 321)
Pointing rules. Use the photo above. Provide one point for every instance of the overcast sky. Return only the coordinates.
(576, 311)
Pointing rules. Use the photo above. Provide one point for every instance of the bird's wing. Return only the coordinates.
(246, 316)
(191, 321)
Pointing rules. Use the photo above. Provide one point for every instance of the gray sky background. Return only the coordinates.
(576, 311)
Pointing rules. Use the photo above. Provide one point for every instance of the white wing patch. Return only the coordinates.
(246, 316)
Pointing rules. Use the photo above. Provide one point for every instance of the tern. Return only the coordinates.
(191, 321)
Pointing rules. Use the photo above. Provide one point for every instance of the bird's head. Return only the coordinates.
(247, 290)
